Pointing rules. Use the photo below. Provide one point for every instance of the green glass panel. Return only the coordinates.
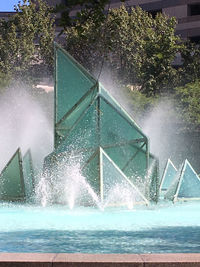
(137, 167)
(28, 173)
(169, 173)
(72, 82)
(132, 160)
(64, 126)
(117, 188)
(172, 190)
(189, 183)
(105, 94)
(121, 155)
(114, 127)
(85, 133)
(91, 172)
(11, 179)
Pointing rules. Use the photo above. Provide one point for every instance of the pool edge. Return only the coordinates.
(65, 259)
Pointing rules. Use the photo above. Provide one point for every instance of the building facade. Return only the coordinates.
(187, 13)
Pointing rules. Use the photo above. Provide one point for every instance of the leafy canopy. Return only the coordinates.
(188, 97)
(136, 47)
(26, 40)
(73, 11)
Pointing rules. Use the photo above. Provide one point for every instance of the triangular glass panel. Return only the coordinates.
(169, 173)
(172, 190)
(189, 184)
(72, 81)
(28, 173)
(186, 185)
(114, 127)
(117, 188)
(11, 179)
(107, 97)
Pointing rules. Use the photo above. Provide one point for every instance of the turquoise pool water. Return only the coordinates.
(162, 228)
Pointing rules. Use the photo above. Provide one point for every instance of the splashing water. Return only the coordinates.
(66, 185)
(120, 194)
(76, 188)
(42, 191)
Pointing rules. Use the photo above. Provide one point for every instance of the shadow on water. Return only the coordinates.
(157, 240)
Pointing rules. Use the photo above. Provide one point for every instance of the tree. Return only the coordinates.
(188, 103)
(189, 71)
(160, 48)
(136, 47)
(26, 40)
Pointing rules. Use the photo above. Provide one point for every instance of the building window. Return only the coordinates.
(195, 39)
(154, 12)
(193, 9)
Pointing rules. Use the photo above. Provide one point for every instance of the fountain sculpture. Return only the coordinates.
(112, 150)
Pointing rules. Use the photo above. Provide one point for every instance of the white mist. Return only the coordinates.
(24, 124)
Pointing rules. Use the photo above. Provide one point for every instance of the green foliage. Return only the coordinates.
(190, 69)
(159, 51)
(26, 40)
(188, 99)
(87, 9)
(137, 48)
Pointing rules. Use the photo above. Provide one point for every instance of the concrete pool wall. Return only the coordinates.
(95, 260)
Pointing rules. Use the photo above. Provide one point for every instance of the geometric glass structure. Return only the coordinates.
(88, 120)
(186, 185)
(11, 179)
(169, 173)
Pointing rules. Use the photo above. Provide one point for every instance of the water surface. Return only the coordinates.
(163, 228)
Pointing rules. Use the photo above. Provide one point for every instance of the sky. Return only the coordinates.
(8, 5)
